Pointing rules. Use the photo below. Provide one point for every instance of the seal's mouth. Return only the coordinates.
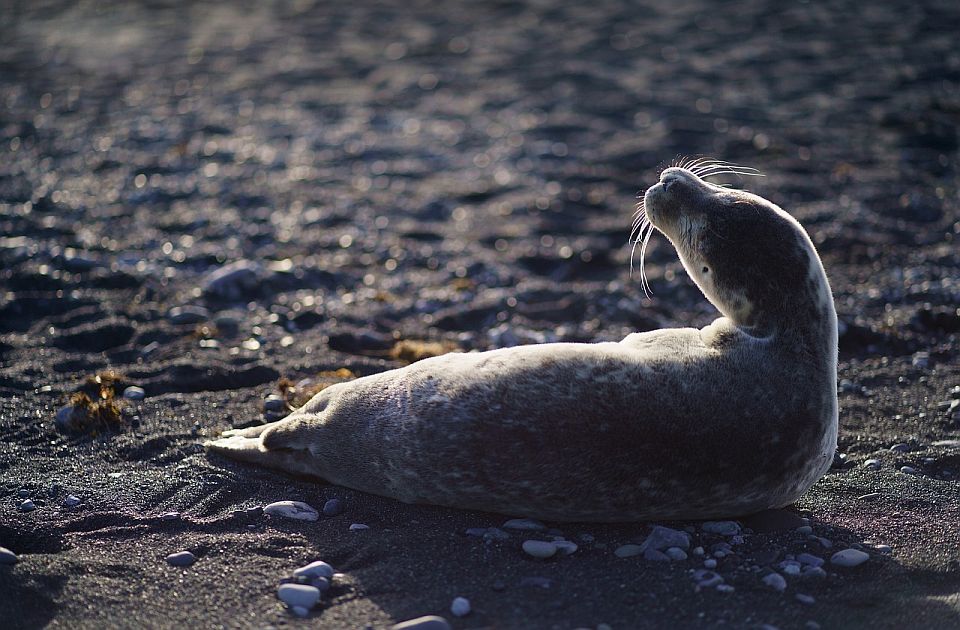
(649, 213)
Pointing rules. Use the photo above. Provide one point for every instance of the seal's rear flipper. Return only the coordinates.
(246, 445)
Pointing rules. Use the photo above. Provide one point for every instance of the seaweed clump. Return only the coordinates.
(95, 408)
(411, 351)
(297, 394)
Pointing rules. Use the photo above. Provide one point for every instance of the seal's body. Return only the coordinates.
(730, 419)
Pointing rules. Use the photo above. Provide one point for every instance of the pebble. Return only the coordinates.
(7, 556)
(170, 516)
(332, 507)
(23, 493)
(883, 548)
(804, 529)
(300, 595)
(826, 543)
(722, 528)
(628, 551)
(810, 560)
(565, 547)
(539, 548)
(315, 569)
(460, 607)
(273, 402)
(676, 554)
(849, 558)
(872, 464)
(805, 599)
(181, 559)
(902, 447)
(775, 581)
(909, 470)
(296, 510)
(233, 281)
(710, 563)
(698, 551)
(134, 393)
(655, 555)
(188, 315)
(725, 588)
(300, 611)
(527, 524)
(664, 537)
(707, 579)
(814, 572)
(790, 567)
(64, 418)
(869, 496)
(488, 533)
(430, 622)
(28, 506)
(358, 527)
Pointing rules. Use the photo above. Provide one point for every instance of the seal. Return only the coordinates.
(685, 423)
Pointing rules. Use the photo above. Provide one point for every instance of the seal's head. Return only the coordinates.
(751, 259)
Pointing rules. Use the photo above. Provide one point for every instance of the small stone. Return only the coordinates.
(299, 595)
(909, 470)
(71, 501)
(663, 537)
(134, 393)
(332, 507)
(697, 551)
(188, 315)
(296, 510)
(7, 556)
(628, 551)
(28, 506)
(315, 569)
(804, 529)
(849, 558)
(300, 611)
(676, 554)
(805, 599)
(233, 281)
(721, 528)
(170, 516)
(826, 543)
(460, 607)
(790, 567)
(710, 563)
(320, 583)
(23, 493)
(775, 581)
(883, 548)
(902, 447)
(921, 360)
(814, 572)
(869, 496)
(655, 555)
(65, 418)
(565, 547)
(181, 559)
(430, 622)
(358, 527)
(810, 560)
(254, 511)
(273, 402)
(707, 579)
(872, 464)
(725, 588)
(527, 524)
(539, 548)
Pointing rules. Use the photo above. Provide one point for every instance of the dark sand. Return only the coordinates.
(462, 171)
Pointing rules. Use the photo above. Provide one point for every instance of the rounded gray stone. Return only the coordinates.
(300, 595)
(315, 569)
(539, 548)
(297, 510)
(134, 393)
(181, 559)
(849, 558)
(7, 556)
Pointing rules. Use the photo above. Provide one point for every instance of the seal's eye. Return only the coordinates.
(705, 270)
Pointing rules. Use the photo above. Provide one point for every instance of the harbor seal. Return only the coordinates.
(685, 423)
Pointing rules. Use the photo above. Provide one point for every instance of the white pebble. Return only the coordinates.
(181, 559)
(134, 393)
(710, 563)
(356, 527)
(628, 551)
(775, 581)
(299, 595)
(872, 464)
(7, 556)
(539, 548)
(676, 554)
(849, 558)
(430, 622)
(71, 501)
(315, 569)
(565, 547)
(296, 510)
(908, 470)
(805, 599)
(460, 607)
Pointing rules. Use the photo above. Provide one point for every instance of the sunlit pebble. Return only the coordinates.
(357, 527)
(251, 344)
(460, 607)
(28, 506)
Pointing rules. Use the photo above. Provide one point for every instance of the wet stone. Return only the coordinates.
(849, 558)
(274, 403)
(775, 581)
(628, 551)
(315, 569)
(28, 506)
(182, 315)
(134, 393)
(300, 595)
(181, 559)
(7, 556)
(539, 548)
(460, 607)
(71, 501)
(296, 510)
(332, 507)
